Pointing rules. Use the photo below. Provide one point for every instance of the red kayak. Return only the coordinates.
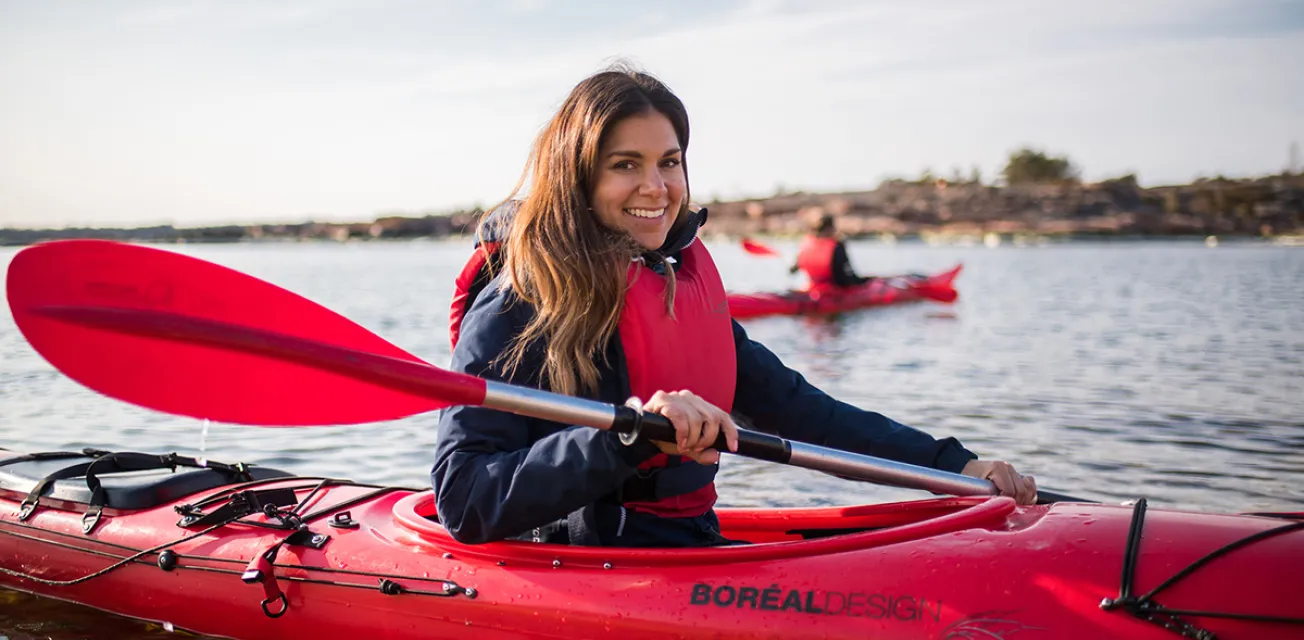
(876, 292)
(249, 552)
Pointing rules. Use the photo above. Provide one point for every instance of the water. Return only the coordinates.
(1108, 370)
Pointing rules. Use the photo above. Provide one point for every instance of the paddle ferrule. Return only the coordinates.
(629, 421)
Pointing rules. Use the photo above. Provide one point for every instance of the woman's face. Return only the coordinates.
(640, 180)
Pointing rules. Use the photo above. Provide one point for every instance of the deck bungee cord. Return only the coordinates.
(1147, 608)
(235, 503)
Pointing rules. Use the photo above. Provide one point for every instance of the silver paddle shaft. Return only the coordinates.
(578, 411)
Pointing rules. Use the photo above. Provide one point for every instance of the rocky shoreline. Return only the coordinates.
(933, 210)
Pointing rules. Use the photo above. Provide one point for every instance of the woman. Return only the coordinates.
(600, 289)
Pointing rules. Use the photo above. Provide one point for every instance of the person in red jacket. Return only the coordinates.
(823, 256)
(599, 287)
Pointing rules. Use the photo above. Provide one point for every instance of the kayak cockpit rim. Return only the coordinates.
(900, 522)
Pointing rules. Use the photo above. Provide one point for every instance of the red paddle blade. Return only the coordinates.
(180, 335)
(758, 248)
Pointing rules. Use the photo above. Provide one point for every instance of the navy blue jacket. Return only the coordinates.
(498, 475)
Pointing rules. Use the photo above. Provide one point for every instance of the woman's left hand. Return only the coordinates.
(1022, 488)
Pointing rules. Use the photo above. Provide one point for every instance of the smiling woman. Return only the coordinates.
(640, 178)
(614, 154)
(594, 284)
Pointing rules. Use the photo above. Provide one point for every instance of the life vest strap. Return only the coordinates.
(681, 477)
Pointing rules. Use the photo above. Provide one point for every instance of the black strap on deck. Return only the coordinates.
(1145, 608)
(105, 462)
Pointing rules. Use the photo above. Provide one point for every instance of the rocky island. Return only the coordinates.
(1037, 195)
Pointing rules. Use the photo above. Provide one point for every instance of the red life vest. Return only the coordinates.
(815, 257)
(694, 350)
(465, 289)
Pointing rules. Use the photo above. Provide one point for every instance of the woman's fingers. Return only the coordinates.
(1007, 480)
(694, 419)
(1002, 473)
(1011, 483)
(681, 414)
(730, 432)
(697, 423)
(1028, 495)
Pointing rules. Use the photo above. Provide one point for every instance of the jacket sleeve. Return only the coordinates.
(779, 400)
(498, 474)
(843, 274)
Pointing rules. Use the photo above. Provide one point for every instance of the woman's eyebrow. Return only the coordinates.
(634, 154)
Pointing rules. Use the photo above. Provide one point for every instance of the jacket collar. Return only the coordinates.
(495, 226)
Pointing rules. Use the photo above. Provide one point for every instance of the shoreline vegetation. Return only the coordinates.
(1040, 198)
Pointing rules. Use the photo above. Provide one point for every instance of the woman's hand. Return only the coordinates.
(1006, 479)
(697, 424)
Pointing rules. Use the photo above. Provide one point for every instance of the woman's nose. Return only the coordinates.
(653, 184)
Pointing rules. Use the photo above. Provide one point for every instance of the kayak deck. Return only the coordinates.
(374, 562)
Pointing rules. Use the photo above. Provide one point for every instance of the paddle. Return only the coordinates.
(177, 334)
(758, 248)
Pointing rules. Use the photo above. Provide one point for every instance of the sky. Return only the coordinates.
(198, 112)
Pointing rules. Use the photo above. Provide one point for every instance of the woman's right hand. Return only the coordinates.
(1008, 481)
(697, 424)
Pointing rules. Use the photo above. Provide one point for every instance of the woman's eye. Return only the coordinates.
(670, 163)
(624, 164)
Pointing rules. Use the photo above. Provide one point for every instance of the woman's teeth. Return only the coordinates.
(645, 213)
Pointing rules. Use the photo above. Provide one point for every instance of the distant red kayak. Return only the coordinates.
(876, 292)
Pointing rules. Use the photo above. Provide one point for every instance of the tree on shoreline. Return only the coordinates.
(1032, 166)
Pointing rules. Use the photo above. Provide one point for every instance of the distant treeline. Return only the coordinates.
(1039, 194)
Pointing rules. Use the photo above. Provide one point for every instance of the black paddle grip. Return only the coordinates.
(654, 426)
(1048, 497)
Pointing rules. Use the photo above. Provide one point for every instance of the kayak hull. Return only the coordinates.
(877, 292)
(940, 568)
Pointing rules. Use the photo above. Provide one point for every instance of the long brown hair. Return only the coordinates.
(558, 257)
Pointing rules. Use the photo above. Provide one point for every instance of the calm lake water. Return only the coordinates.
(1109, 370)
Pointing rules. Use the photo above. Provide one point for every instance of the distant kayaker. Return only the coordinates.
(823, 256)
(594, 284)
